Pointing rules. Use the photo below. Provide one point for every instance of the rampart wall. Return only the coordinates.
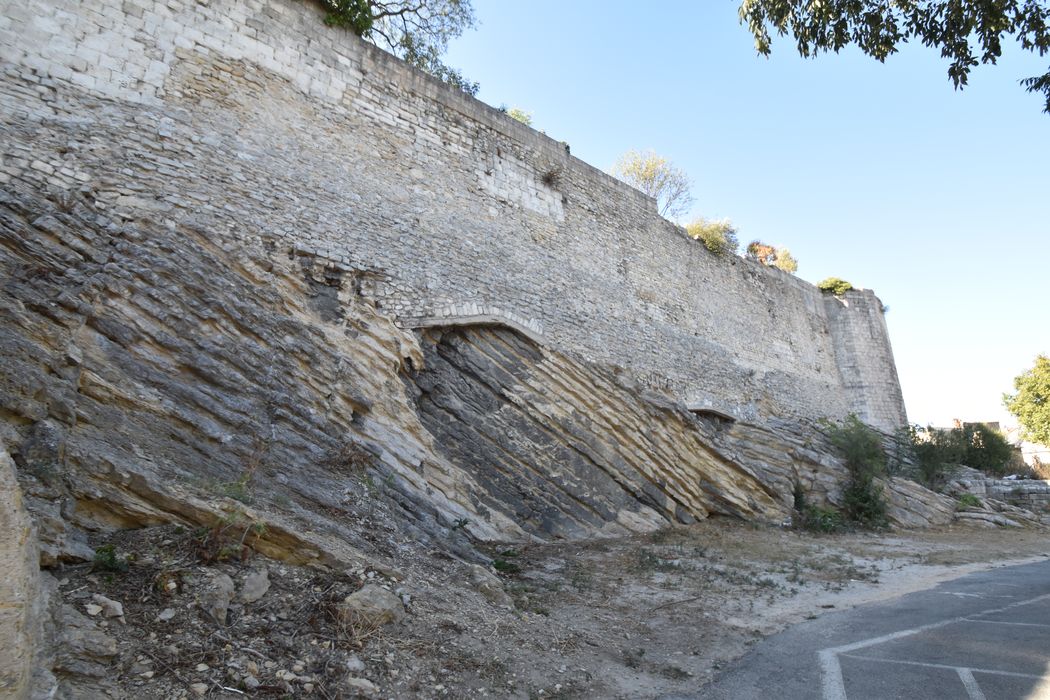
(251, 119)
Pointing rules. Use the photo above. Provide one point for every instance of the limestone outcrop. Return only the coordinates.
(566, 448)
(19, 585)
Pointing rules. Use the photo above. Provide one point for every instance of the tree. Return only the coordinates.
(1031, 403)
(772, 256)
(967, 32)
(658, 178)
(717, 236)
(417, 31)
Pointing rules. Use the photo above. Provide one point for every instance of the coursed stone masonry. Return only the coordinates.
(252, 120)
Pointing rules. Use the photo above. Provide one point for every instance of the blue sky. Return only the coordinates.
(881, 174)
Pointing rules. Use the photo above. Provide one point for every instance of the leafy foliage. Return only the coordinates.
(786, 261)
(814, 518)
(417, 31)
(938, 452)
(968, 500)
(717, 236)
(986, 449)
(862, 450)
(1031, 402)
(772, 256)
(834, 285)
(657, 177)
(107, 559)
(967, 32)
(520, 115)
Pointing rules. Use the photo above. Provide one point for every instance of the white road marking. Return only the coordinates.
(957, 669)
(1003, 622)
(968, 681)
(959, 594)
(831, 671)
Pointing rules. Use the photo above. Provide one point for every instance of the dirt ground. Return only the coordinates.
(625, 618)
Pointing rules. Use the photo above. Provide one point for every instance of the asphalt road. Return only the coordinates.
(981, 637)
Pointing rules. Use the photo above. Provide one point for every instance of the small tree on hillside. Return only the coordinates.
(657, 177)
(1031, 402)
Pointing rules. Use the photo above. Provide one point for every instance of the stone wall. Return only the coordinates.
(1031, 494)
(252, 120)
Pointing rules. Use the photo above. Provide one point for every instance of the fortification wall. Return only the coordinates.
(251, 119)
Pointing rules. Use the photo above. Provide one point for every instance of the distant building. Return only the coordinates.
(1030, 451)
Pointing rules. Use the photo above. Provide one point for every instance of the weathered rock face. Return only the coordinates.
(147, 367)
(142, 364)
(19, 585)
(565, 447)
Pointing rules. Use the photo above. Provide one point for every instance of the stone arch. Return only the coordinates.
(473, 314)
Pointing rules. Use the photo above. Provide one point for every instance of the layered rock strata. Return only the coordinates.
(566, 448)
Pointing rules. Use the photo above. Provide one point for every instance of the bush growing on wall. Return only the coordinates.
(772, 256)
(717, 236)
(834, 285)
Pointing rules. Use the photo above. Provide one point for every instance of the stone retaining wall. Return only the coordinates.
(254, 121)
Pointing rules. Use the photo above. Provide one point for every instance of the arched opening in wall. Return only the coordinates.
(719, 420)
(531, 329)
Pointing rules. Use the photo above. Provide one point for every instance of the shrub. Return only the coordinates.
(107, 559)
(834, 285)
(719, 237)
(786, 261)
(937, 454)
(815, 518)
(976, 445)
(968, 500)
(520, 115)
(986, 449)
(861, 448)
(772, 256)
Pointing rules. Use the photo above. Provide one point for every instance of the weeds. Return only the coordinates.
(231, 538)
(107, 559)
(968, 500)
(814, 518)
(648, 561)
(505, 567)
(817, 519)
